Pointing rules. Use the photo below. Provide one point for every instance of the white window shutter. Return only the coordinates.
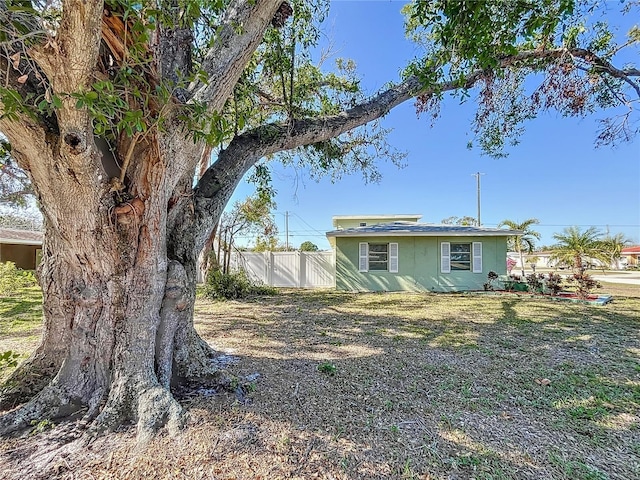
(477, 257)
(445, 257)
(393, 258)
(363, 263)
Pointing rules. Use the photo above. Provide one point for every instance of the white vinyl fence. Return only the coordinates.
(288, 269)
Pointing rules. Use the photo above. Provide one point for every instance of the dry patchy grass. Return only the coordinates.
(392, 386)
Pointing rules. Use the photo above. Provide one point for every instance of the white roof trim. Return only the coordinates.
(13, 241)
(504, 233)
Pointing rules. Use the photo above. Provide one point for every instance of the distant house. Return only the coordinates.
(391, 253)
(630, 256)
(541, 259)
(22, 247)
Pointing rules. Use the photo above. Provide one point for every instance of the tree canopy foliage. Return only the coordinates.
(15, 188)
(308, 246)
(466, 221)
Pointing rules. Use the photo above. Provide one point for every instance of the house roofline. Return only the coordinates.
(12, 240)
(370, 217)
(346, 233)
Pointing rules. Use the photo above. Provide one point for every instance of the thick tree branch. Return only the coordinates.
(241, 31)
(598, 64)
(174, 51)
(218, 183)
(69, 59)
(603, 66)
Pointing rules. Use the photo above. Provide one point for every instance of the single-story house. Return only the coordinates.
(402, 255)
(630, 256)
(22, 247)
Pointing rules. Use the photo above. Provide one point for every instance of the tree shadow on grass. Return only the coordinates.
(443, 386)
(472, 379)
(11, 306)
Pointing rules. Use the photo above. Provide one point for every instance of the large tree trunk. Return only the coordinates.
(118, 313)
(103, 275)
(118, 306)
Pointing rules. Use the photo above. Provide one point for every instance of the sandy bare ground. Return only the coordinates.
(389, 386)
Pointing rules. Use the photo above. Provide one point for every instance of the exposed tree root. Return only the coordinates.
(146, 403)
(193, 357)
(157, 408)
(51, 403)
(31, 377)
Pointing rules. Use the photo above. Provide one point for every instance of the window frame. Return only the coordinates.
(475, 257)
(391, 262)
(457, 263)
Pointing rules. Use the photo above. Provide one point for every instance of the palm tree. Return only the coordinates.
(614, 246)
(524, 242)
(575, 246)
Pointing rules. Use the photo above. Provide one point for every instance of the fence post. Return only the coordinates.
(302, 269)
(269, 267)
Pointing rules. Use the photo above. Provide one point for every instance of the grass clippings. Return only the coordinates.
(391, 386)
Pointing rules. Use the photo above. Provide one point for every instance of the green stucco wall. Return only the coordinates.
(418, 265)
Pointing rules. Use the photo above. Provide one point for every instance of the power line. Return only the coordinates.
(305, 222)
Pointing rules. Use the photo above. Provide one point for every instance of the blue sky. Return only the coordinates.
(555, 174)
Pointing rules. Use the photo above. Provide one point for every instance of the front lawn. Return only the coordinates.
(392, 386)
(20, 323)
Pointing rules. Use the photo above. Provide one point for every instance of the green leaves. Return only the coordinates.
(479, 33)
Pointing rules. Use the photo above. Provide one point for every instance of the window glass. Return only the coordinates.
(460, 256)
(378, 256)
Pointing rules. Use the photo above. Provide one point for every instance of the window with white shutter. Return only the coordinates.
(477, 257)
(393, 258)
(363, 263)
(445, 257)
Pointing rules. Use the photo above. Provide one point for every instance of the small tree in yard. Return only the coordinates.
(113, 108)
(525, 242)
(251, 217)
(613, 246)
(576, 246)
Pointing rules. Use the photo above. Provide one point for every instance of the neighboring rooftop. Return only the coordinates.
(414, 229)
(20, 237)
(346, 221)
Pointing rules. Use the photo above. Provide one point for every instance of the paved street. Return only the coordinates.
(632, 278)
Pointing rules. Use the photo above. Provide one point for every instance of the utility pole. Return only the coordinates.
(477, 175)
(286, 228)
